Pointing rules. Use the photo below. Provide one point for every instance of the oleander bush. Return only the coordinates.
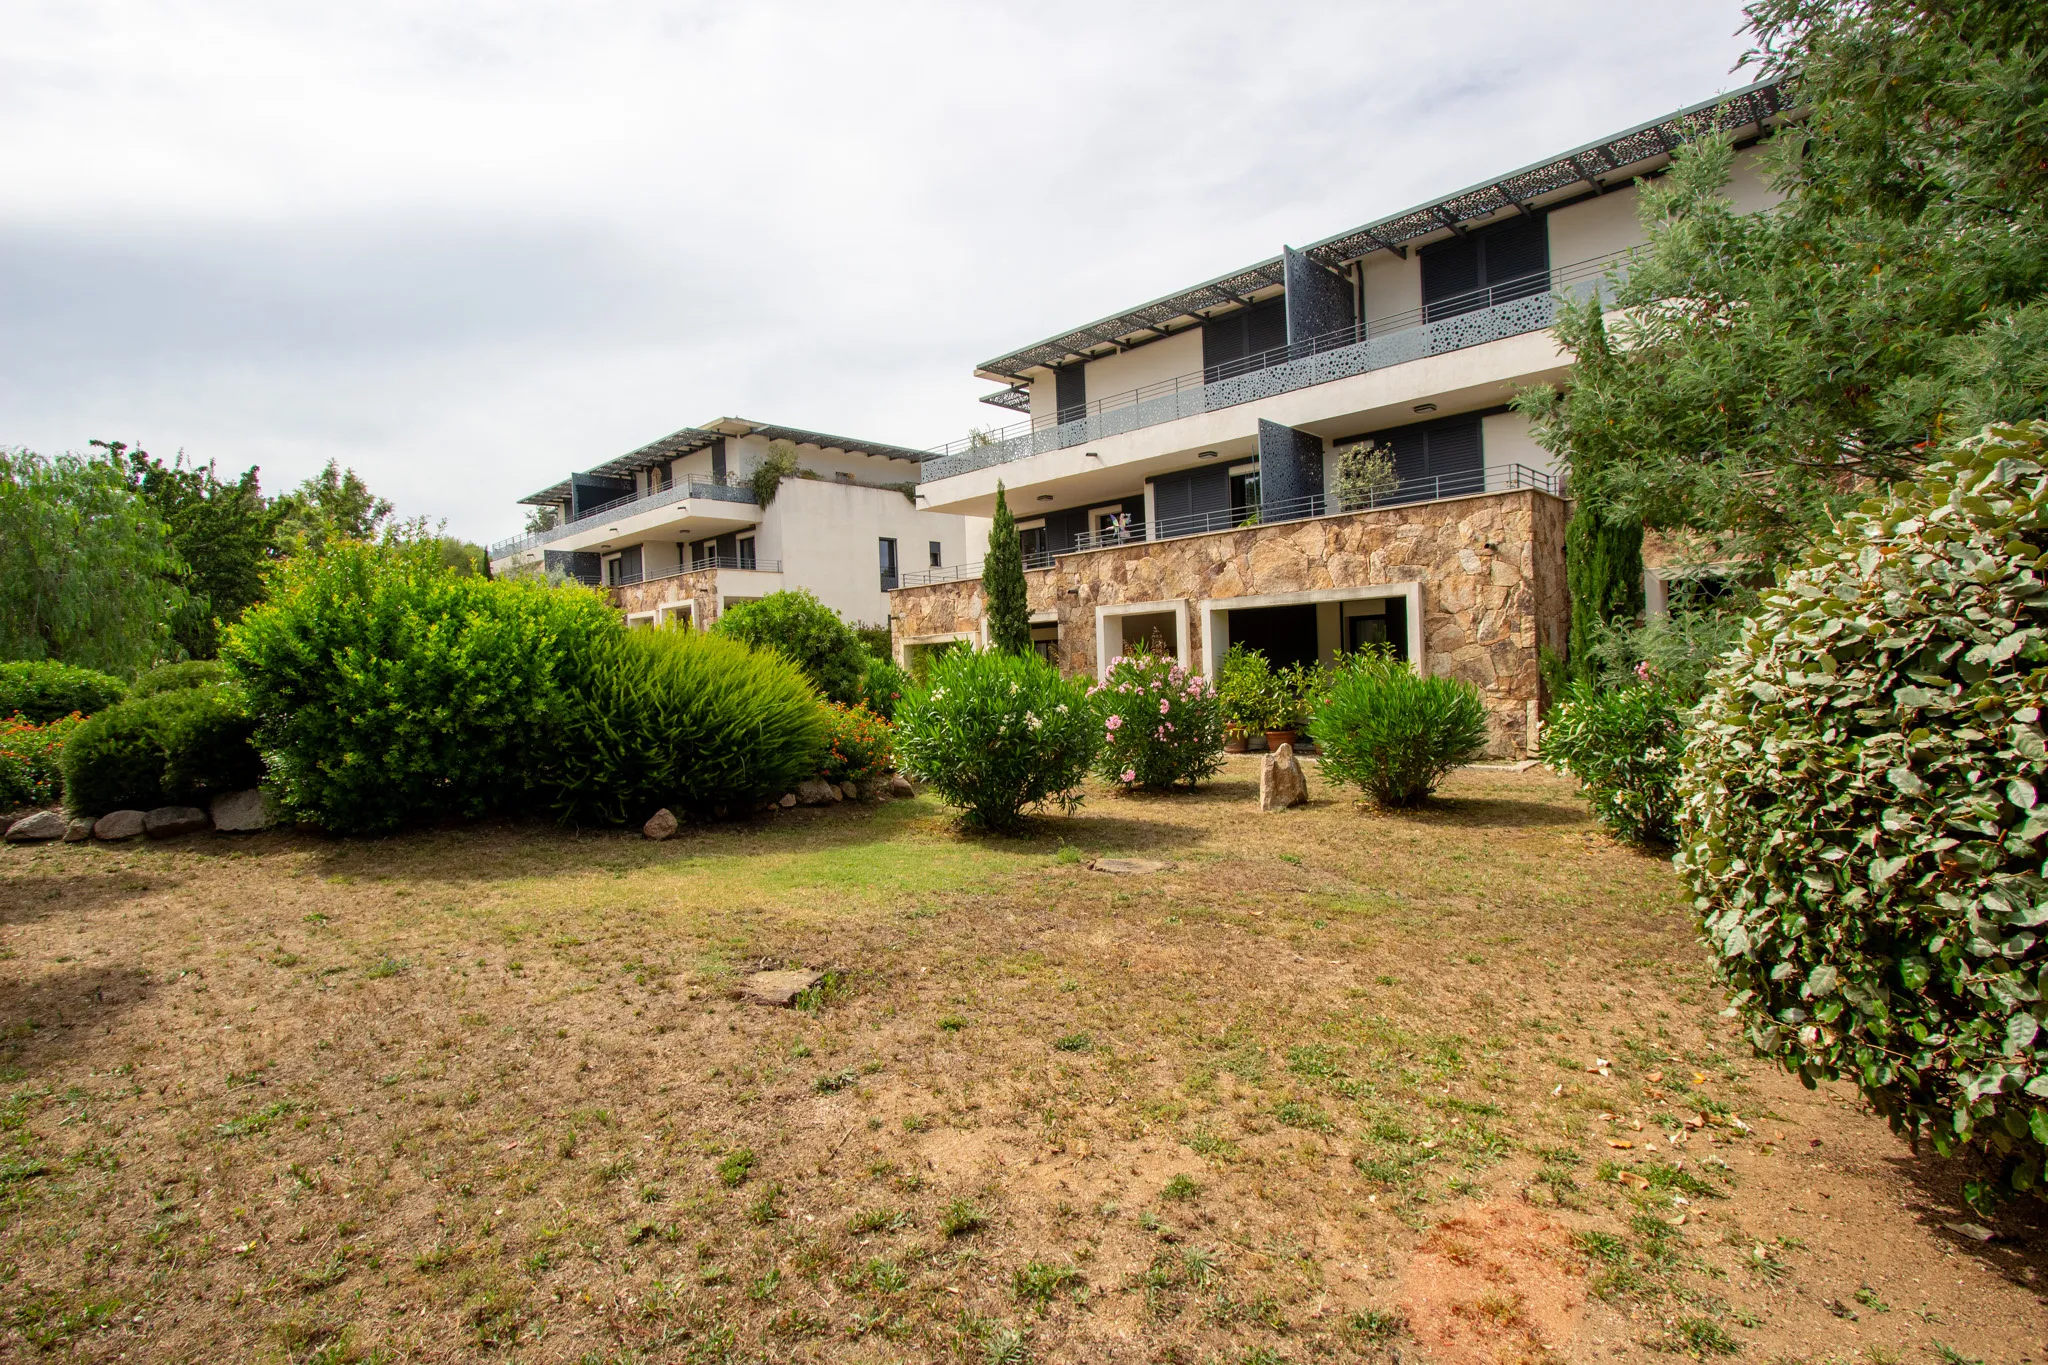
(1390, 731)
(1862, 813)
(694, 721)
(859, 745)
(882, 685)
(809, 633)
(1162, 726)
(42, 690)
(997, 734)
(31, 760)
(388, 690)
(171, 677)
(1623, 745)
(177, 748)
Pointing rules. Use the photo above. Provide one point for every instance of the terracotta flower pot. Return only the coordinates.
(1234, 742)
(1276, 738)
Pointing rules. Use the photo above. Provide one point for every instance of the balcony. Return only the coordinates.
(748, 563)
(682, 490)
(1510, 308)
(1500, 478)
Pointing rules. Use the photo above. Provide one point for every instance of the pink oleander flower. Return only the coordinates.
(1130, 775)
(1164, 706)
(1114, 723)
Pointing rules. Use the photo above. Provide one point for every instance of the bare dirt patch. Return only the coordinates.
(1318, 1089)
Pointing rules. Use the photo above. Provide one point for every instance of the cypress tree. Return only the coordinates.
(1603, 569)
(1002, 584)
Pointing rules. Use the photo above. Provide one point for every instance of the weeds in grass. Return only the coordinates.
(1374, 1325)
(1949, 1355)
(1182, 1186)
(1074, 1042)
(837, 1081)
(952, 1023)
(256, 1122)
(1703, 1337)
(960, 1218)
(1005, 1345)
(735, 1166)
(1037, 1282)
(1299, 1114)
(764, 1210)
(881, 1218)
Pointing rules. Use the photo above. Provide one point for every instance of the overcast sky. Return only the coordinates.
(467, 247)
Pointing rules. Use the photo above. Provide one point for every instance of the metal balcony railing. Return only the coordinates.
(1510, 308)
(746, 562)
(1500, 478)
(681, 490)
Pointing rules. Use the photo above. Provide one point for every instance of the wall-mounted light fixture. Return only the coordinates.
(1206, 455)
(1092, 454)
(1425, 407)
(1045, 497)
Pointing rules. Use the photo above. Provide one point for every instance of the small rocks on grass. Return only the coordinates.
(900, 788)
(660, 825)
(78, 830)
(816, 791)
(849, 791)
(244, 812)
(1129, 867)
(118, 824)
(788, 801)
(779, 988)
(1281, 783)
(168, 822)
(31, 829)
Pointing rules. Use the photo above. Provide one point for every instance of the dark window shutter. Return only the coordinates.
(1517, 258)
(1450, 275)
(1265, 326)
(718, 460)
(1456, 459)
(1071, 391)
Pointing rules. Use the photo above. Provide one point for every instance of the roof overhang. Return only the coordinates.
(677, 444)
(1593, 167)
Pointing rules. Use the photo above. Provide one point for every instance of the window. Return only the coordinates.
(935, 554)
(888, 563)
(1244, 495)
(746, 549)
(1045, 641)
(1509, 260)
(1037, 548)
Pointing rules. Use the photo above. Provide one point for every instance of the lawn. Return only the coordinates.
(1447, 1085)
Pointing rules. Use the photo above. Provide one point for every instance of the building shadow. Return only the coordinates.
(30, 900)
(42, 1009)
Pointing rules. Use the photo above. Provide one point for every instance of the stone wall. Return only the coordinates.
(699, 586)
(1491, 568)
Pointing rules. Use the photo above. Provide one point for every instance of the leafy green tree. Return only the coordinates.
(1002, 584)
(224, 535)
(1766, 368)
(333, 505)
(86, 564)
(807, 633)
(1604, 575)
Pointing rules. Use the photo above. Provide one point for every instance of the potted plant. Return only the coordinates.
(1280, 713)
(1241, 686)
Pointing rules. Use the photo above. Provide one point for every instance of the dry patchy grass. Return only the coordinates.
(1319, 1092)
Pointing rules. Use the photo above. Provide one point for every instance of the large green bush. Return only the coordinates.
(997, 734)
(181, 747)
(687, 720)
(1161, 726)
(1623, 744)
(882, 685)
(388, 690)
(809, 633)
(1863, 816)
(1385, 728)
(44, 691)
(171, 677)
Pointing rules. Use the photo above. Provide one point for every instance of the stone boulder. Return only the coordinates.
(900, 788)
(849, 791)
(78, 830)
(1281, 783)
(168, 822)
(118, 824)
(32, 829)
(788, 801)
(244, 812)
(660, 825)
(816, 791)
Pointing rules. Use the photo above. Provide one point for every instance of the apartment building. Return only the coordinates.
(1175, 467)
(677, 530)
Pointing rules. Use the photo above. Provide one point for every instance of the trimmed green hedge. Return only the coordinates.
(997, 734)
(176, 748)
(171, 677)
(1392, 732)
(809, 633)
(44, 691)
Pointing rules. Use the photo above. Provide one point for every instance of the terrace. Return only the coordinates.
(681, 490)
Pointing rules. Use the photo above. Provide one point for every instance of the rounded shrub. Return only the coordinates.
(1862, 810)
(182, 747)
(1161, 725)
(859, 745)
(997, 734)
(388, 690)
(31, 760)
(687, 720)
(171, 677)
(42, 690)
(1393, 733)
(1623, 745)
(807, 632)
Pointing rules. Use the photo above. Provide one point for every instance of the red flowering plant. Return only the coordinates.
(859, 745)
(29, 753)
(1162, 725)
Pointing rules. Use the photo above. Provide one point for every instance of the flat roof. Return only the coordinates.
(1590, 165)
(689, 439)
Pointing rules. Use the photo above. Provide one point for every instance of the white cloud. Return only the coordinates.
(466, 247)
